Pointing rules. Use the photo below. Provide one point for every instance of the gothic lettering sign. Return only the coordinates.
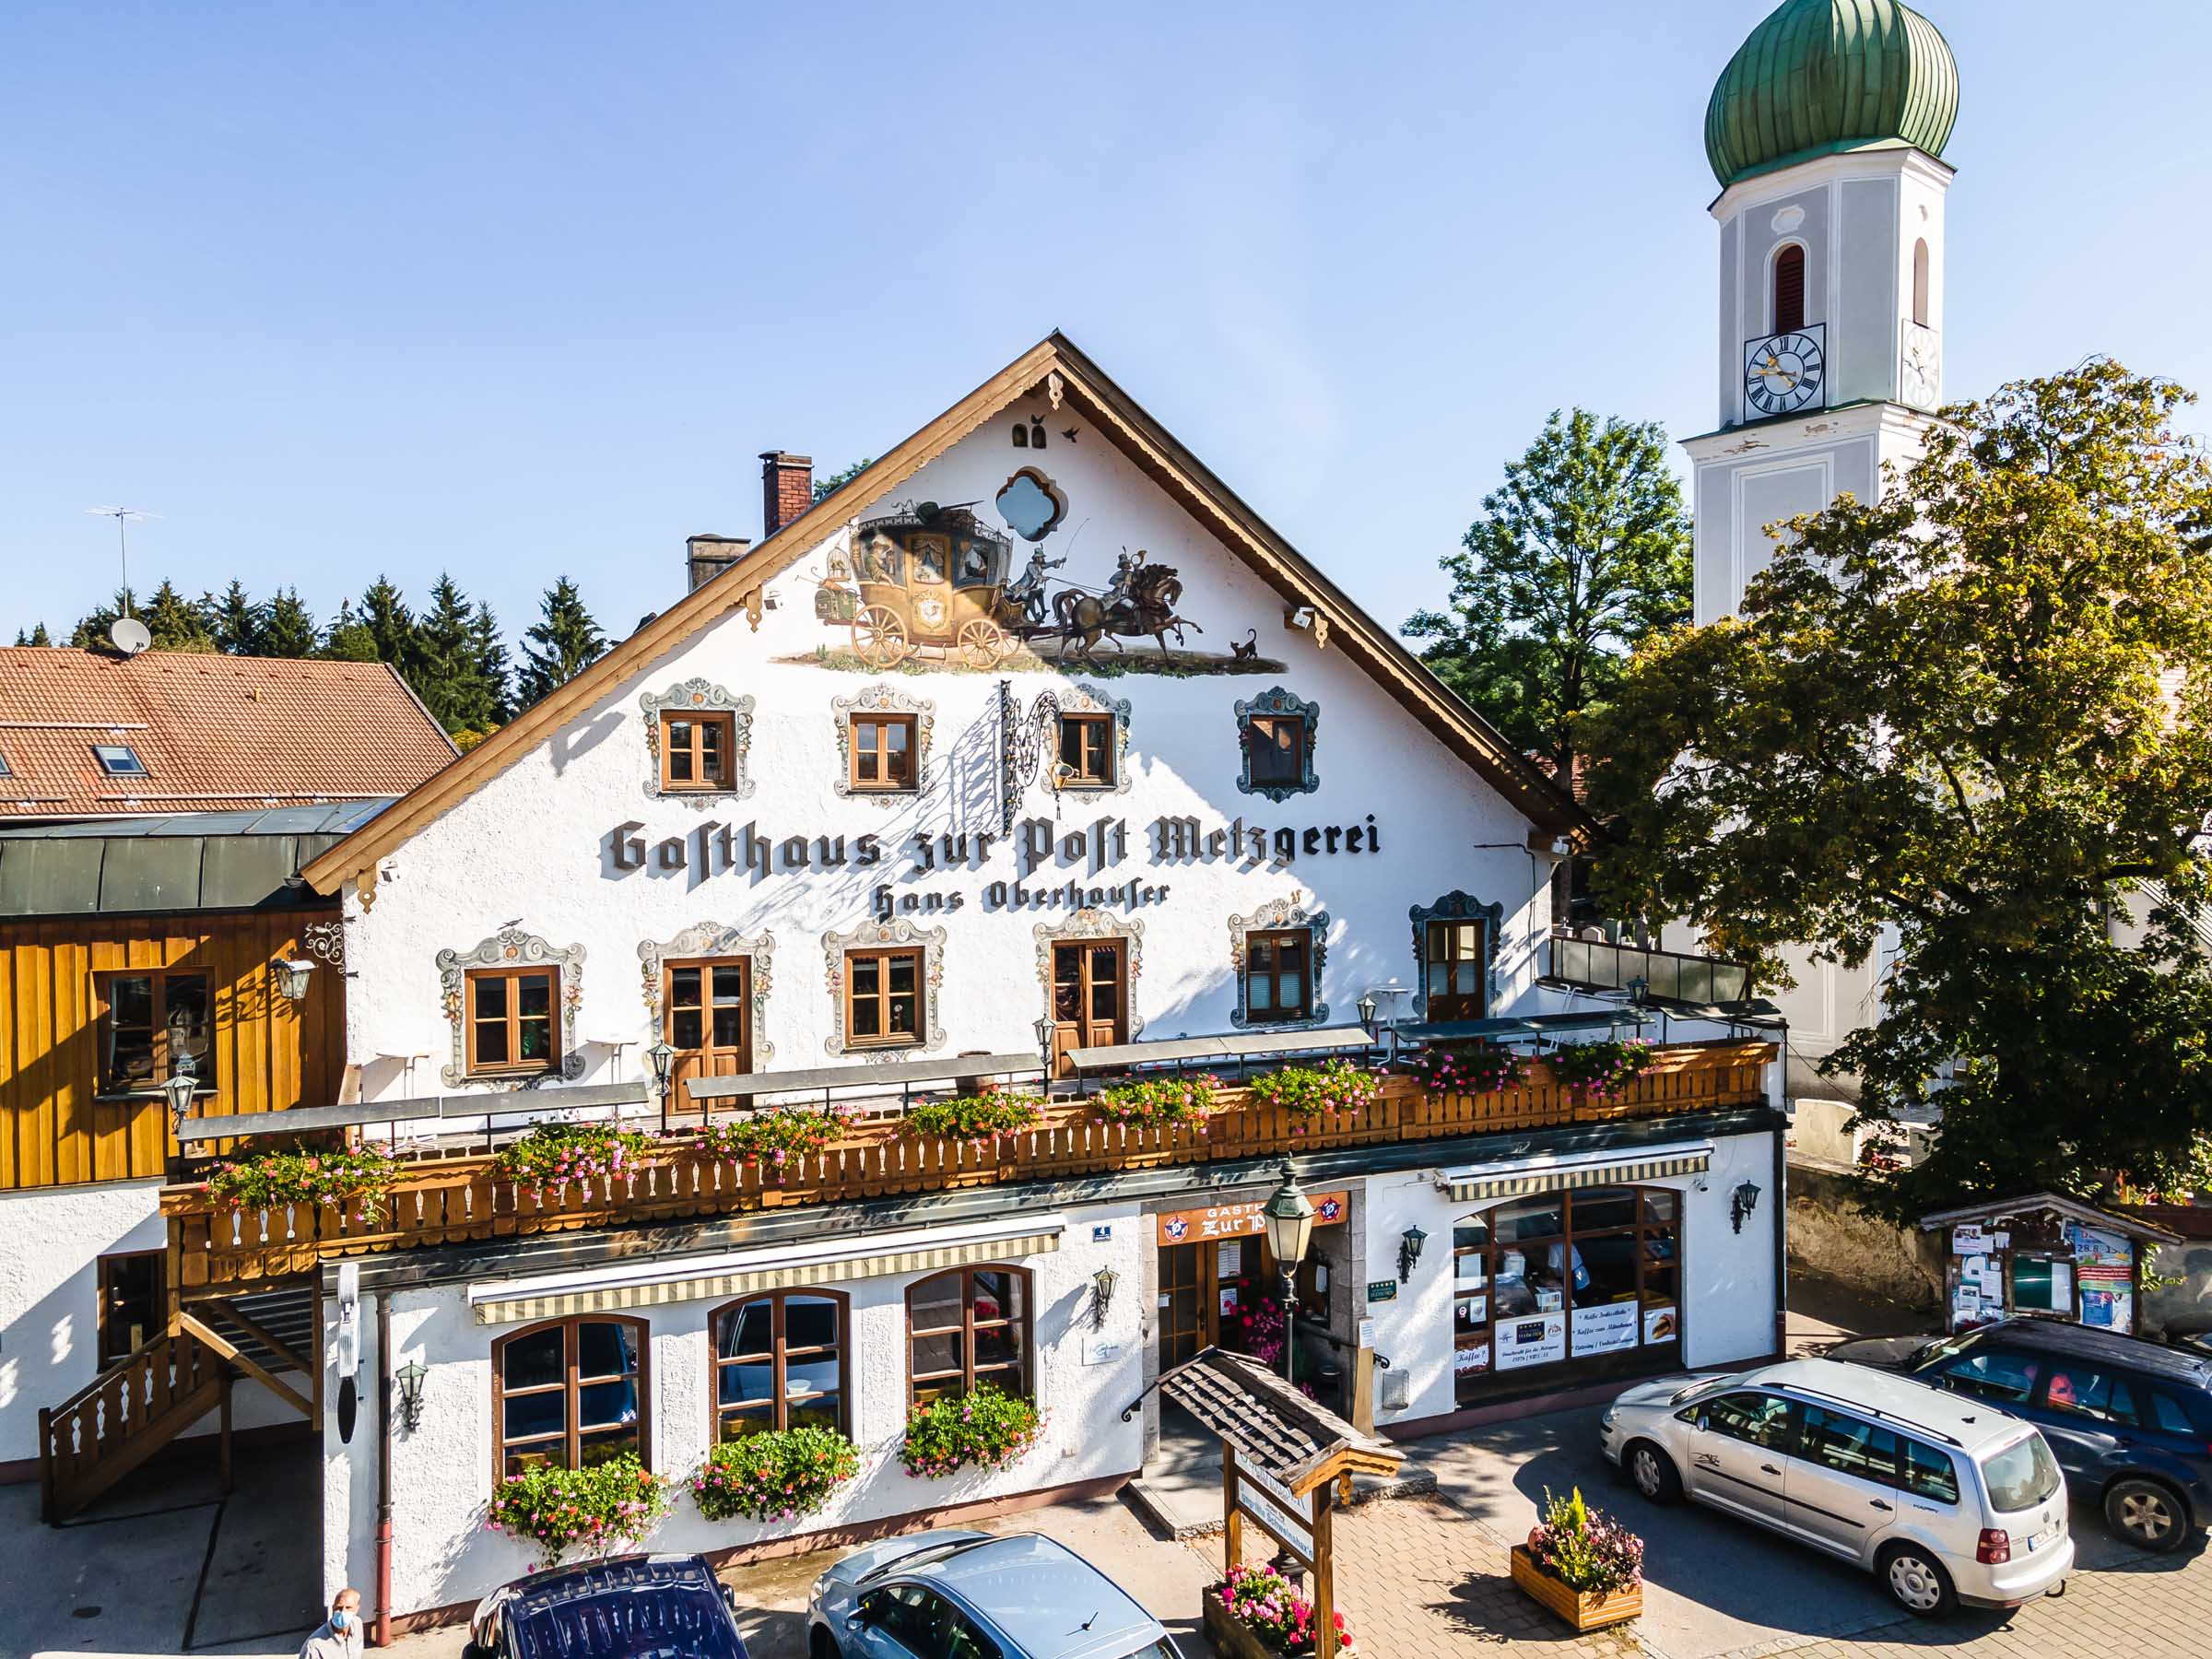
(1238, 1220)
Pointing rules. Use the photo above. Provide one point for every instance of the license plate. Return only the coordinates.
(2037, 1540)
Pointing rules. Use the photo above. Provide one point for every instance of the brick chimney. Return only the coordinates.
(707, 557)
(786, 488)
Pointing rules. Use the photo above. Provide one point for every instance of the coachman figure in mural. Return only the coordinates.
(1140, 600)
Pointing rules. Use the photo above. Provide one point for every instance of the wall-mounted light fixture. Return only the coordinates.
(177, 1089)
(292, 974)
(1741, 1203)
(1101, 1296)
(1366, 1008)
(409, 1378)
(1410, 1252)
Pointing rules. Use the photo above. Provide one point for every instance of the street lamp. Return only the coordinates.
(661, 1057)
(1043, 1025)
(1288, 1219)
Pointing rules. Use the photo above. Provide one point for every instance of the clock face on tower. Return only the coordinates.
(1785, 372)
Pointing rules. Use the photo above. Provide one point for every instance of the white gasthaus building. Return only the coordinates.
(1030, 739)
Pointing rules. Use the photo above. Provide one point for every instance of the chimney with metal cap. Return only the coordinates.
(707, 557)
(786, 488)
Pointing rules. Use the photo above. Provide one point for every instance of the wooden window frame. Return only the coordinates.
(513, 1065)
(779, 1353)
(1274, 1014)
(855, 724)
(110, 1087)
(1260, 738)
(724, 721)
(883, 1036)
(1101, 730)
(571, 1386)
(709, 1050)
(1449, 960)
(1026, 1368)
(108, 1352)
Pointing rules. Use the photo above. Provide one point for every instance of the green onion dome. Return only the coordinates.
(1823, 75)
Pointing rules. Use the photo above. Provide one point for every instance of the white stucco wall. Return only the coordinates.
(533, 843)
(1728, 1287)
(442, 1472)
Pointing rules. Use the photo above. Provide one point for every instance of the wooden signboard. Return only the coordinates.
(1299, 1526)
(1238, 1220)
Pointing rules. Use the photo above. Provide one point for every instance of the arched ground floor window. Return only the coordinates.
(570, 1393)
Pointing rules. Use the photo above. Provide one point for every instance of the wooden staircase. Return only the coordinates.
(109, 1427)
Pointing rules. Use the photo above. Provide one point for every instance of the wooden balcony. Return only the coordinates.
(457, 1200)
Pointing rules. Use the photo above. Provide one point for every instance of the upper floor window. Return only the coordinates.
(882, 756)
(1086, 746)
(571, 1395)
(1275, 731)
(1277, 741)
(968, 1326)
(883, 997)
(1278, 979)
(1920, 282)
(780, 1363)
(1455, 967)
(119, 759)
(1789, 289)
(697, 749)
(153, 1025)
(510, 1022)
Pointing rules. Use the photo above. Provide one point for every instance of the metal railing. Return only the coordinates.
(1672, 975)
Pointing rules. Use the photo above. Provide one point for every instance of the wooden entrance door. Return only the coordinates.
(1089, 996)
(1186, 1303)
(707, 1018)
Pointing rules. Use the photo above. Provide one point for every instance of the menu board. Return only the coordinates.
(1536, 1340)
(1604, 1328)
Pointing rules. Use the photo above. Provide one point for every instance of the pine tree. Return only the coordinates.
(558, 646)
(37, 636)
(493, 663)
(288, 627)
(350, 639)
(390, 624)
(178, 623)
(447, 671)
(239, 623)
(91, 632)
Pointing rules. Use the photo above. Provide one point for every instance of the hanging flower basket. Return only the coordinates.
(553, 1154)
(1158, 1100)
(773, 1139)
(1307, 1091)
(358, 1179)
(1583, 1566)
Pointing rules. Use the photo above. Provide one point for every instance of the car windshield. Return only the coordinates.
(1698, 1390)
(1943, 1347)
(657, 1621)
(2021, 1476)
(1162, 1648)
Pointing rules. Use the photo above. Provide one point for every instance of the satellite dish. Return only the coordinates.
(129, 636)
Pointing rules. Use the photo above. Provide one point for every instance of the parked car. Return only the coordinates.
(1944, 1500)
(2130, 1421)
(976, 1595)
(667, 1606)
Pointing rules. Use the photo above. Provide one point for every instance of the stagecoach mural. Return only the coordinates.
(927, 587)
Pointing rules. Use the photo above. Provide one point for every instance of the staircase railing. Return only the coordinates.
(122, 1418)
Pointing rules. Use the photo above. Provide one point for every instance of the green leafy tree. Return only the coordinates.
(288, 627)
(348, 638)
(558, 646)
(1967, 725)
(1583, 551)
(237, 622)
(447, 670)
(824, 487)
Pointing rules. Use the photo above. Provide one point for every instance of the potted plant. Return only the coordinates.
(1478, 1066)
(988, 1428)
(1603, 1069)
(588, 1512)
(358, 1177)
(552, 1155)
(1158, 1100)
(773, 1138)
(1307, 1091)
(975, 1118)
(1582, 1565)
(778, 1476)
(1255, 1612)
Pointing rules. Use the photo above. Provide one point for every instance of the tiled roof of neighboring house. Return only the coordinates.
(211, 732)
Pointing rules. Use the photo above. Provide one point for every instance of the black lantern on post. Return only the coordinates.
(1288, 1219)
(1044, 1026)
(661, 1057)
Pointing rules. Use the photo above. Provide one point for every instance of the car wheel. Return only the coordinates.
(1651, 1472)
(2146, 1513)
(1916, 1581)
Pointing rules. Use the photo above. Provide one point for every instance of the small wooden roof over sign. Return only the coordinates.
(2073, 1210)
(1273, 1428)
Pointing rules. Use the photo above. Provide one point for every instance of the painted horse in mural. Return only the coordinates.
(1141, 601)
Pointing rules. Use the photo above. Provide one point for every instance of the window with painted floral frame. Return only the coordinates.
(512, 1020)
(696, 748)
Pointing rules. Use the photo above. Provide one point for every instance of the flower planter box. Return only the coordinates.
(1227, 1633)
(1577, 1608)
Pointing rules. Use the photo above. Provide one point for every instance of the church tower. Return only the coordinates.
(1825, 132)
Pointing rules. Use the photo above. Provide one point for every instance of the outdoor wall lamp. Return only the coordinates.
(409, 1378)
(177, 1089)
(1410, 1252)
(1366, 1008)
(292, 974)
(1101, 1296)
(1741, 1203)
(1637, 986)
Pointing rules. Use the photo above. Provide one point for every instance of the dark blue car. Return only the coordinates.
(2129, 1421)
(639, 1607)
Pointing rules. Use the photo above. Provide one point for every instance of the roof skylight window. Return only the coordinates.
(119, 759)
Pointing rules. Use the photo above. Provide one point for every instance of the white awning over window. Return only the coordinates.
(1525, 1176)
(779, 1267)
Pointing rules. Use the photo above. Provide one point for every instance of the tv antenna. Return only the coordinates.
(121, 516)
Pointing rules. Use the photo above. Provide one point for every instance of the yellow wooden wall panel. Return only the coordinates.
(8, 1063)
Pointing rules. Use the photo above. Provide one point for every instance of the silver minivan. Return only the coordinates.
(1946, 1499)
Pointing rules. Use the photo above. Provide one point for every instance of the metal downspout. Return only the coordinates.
(384, 1471)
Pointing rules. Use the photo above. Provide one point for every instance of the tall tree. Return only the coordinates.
(1968, 723)
(239, 623)
(390, 624)
(562, 642)
(178, 623)
(348, 638)
(37, 636)
(492, 663)
(288, 627)
(1581, 553)
(447, 671)
(91, 631)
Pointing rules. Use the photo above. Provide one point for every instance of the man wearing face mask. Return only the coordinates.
(339, 1636)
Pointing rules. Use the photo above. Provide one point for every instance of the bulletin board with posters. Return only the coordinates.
(2043, 1258)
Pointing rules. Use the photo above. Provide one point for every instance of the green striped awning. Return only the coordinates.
(491, 1307)
(1554, 1175)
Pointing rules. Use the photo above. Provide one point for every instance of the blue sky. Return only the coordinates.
(519, 289)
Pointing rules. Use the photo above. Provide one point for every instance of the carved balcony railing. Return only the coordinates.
(122, 1418)
(456, 1200)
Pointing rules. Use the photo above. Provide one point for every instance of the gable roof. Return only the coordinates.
(1155, 451)
(213, 733)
